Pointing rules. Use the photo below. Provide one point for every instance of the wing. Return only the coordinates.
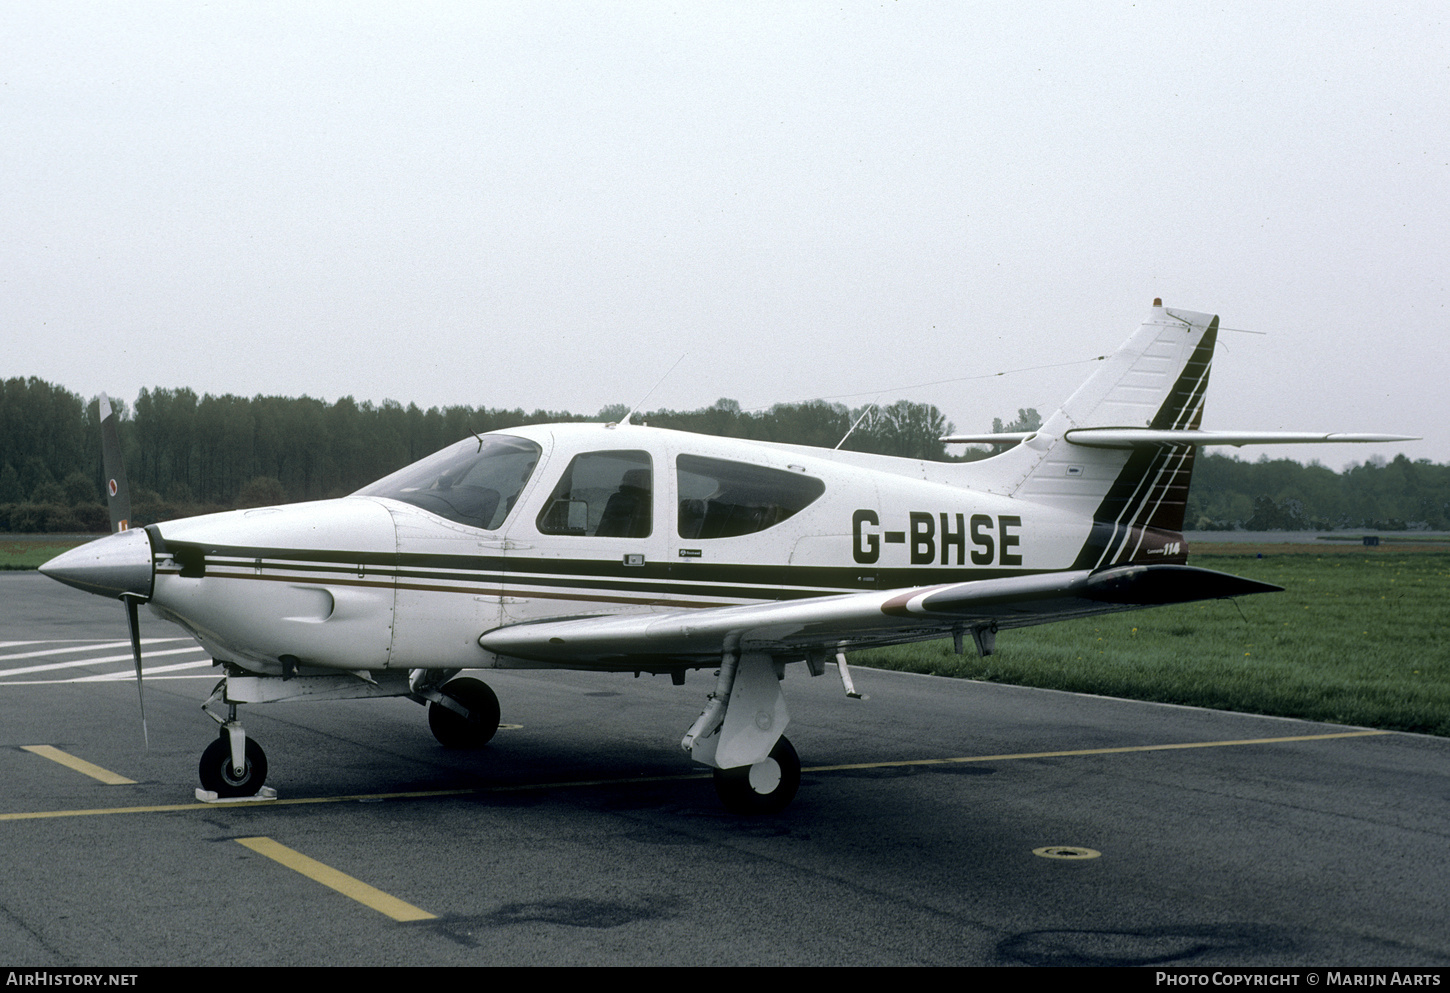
(795, 628)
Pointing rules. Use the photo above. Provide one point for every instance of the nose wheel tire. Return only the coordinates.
(766, 787)
(218, 776)
(452, 729)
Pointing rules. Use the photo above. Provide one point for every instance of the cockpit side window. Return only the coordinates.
(722, 499)
(603, 495)
(475, 482)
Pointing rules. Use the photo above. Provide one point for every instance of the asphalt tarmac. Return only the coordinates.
(939, 822)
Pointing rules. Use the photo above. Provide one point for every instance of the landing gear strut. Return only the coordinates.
(467, 716)
(757, 770)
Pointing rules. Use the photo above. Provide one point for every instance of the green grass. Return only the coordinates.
(33, 550)
(1356, 638)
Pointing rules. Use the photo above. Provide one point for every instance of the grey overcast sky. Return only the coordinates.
(547, 204)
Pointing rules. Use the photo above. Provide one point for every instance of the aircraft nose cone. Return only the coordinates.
(111, 566)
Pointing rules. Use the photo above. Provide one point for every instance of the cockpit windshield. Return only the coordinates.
(475, 482)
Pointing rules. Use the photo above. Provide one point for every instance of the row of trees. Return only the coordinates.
(1283, 495)
(187, 454)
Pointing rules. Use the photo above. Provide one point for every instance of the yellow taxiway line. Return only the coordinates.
(575, 784)
(354, 889)
(79, 765)
(1095, 751)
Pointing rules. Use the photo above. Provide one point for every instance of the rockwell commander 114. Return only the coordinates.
(624, 548)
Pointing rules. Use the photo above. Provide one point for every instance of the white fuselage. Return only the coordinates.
(371, 582)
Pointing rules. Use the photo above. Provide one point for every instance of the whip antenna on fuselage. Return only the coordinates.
(626, 417)
(869, 407)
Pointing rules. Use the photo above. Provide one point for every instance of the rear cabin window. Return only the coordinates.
(602, 495)
(722, 499)
(474, 482)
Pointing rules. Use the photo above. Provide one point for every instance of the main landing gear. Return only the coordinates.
(465, 715)
(757, 770)
(766, 787)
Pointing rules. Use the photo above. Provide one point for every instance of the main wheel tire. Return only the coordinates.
(217, 774)
(453, 730)
(766, 787)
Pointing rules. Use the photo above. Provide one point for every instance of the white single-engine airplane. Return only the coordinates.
(624, 548)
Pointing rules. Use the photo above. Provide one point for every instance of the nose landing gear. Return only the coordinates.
(219, 774)
(232, 767)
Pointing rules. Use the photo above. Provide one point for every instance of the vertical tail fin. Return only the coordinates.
(1136, 498)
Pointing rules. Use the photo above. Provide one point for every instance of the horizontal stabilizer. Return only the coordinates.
(1131, 437)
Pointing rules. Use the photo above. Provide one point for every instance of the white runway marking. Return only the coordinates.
(96, 653)
(147, 671)
(75, 646)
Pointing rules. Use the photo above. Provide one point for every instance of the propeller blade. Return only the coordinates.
(118, 495)
(118, 499)
(133, 619)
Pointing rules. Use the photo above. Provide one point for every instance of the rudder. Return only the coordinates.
(1136, 498)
